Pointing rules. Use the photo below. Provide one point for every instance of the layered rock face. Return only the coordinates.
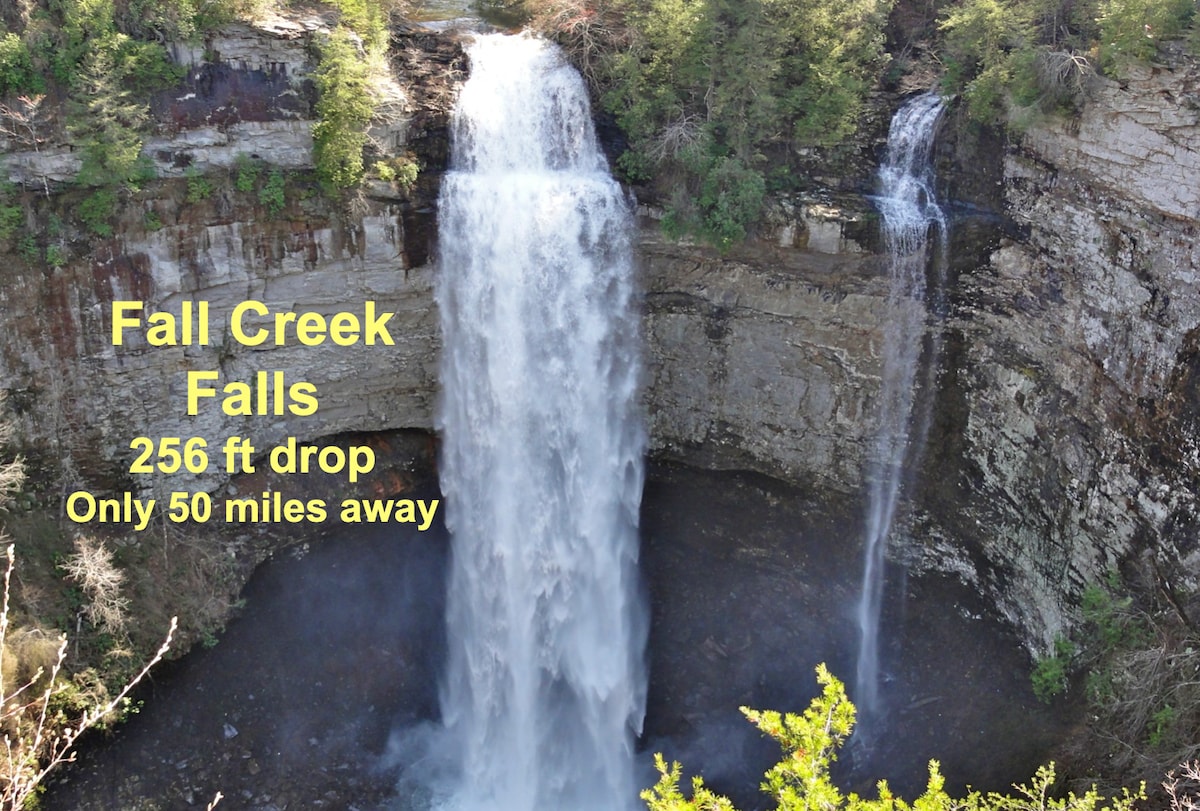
(87, 399)
(1074, 395)
(768, 360)
(1063, 442)
(1064, 432)
(82, 400)
(764, 362)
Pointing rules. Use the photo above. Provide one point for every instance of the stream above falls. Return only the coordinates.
(751, 584)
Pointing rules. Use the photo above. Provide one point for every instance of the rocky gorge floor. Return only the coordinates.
(751, 584)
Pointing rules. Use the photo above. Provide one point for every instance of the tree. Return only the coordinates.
(344, 108)
(42, 714)
(1131, 29)
(801, 781)
(988, 48)
(93, 568)
(24, 120)
(38, 736)
(106, 121)
(716, 94)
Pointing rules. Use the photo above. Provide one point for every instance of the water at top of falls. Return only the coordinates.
(542, 450)
(528, 113)
(907, 200)
(909, 208)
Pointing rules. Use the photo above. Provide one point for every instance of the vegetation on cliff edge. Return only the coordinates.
(721, 101)
(1013, 58)
(1136, 660)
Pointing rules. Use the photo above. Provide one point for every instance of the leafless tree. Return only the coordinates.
(93, 569)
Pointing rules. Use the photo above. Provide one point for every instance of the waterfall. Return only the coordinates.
(542, 450)
(909, 208)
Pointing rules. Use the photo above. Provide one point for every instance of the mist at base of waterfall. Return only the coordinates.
(336, 656)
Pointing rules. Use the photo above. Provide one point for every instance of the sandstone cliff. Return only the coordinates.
(81, 400)
(1076, 383)
(1063, 437)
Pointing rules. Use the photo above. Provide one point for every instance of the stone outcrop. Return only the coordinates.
(1071, 395)
(87, 399)
(768, 360)
(80, 400)
(1063, 442)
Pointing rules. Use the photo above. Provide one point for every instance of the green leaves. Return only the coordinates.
(801, 781)
(1009, 56)
(1131, 29)
(105, 119)
(711, 88)
(16, 68)
(1049, 677)
(984, 44)
(666, 796)
(273, 193)
(344, 108)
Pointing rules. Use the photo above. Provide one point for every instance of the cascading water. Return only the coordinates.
(909, 209)
(542, 455)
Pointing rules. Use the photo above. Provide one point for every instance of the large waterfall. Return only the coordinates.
(909, 209)
(542, 455)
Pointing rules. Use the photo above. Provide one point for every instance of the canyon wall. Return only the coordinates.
(79, 400)
(1073, 395)
(1063, 441)
(766, 360)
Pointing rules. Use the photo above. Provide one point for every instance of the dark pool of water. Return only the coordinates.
(751, 584)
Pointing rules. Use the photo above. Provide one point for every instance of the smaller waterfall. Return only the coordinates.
(909, 209)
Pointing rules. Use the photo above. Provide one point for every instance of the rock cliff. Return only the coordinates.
(1063, 442)
(1073, 398)
(767, 360)
(1063, 439)
(81, 400)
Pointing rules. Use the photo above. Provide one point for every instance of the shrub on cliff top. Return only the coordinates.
(714, 93)
(1006, 56)
(1131, 29)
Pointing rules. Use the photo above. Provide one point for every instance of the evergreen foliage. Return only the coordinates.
(182, 19)
(720, 100)
(801, 781)
(105, 73)
(368, 19)
(714, 94)
(1008, 56)
(350, 56)
(106, 119)
(1132, 29)
(344, 108)
(97, 210)
(17, 74)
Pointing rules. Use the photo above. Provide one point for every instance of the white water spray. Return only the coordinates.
(909, 209)
(542, 454)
